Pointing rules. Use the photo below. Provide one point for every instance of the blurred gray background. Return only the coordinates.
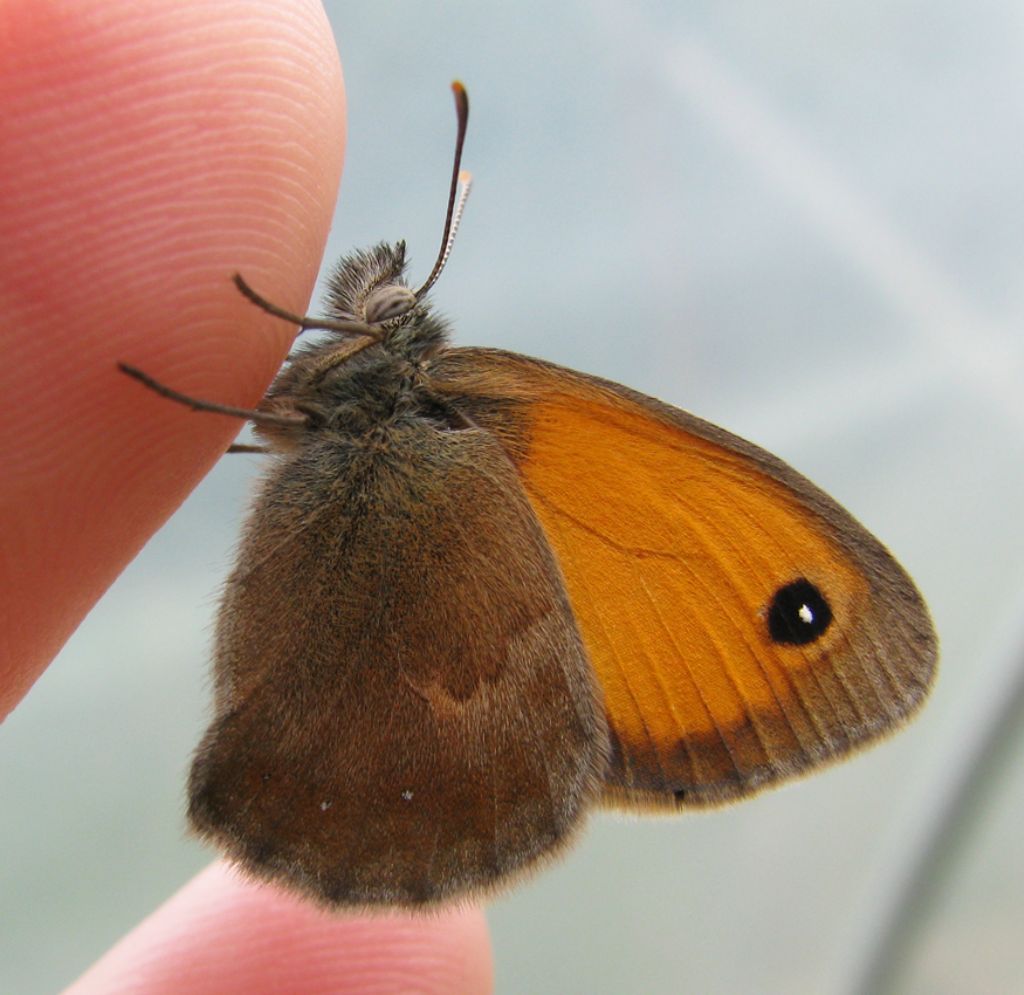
(800, 221)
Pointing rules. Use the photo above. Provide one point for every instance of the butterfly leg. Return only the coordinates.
(242, 448)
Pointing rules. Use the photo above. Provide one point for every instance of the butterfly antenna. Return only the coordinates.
(460, 178)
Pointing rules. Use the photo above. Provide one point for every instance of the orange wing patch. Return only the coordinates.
(674, 540)
(670, 577)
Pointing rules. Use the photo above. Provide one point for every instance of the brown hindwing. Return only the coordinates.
(425, 723)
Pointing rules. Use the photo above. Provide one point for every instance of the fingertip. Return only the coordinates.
(151, 150)
(224, 934)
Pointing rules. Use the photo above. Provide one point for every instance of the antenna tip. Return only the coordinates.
(461, 99)
(465, 177)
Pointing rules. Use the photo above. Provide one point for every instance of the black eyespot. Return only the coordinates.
(798, 614)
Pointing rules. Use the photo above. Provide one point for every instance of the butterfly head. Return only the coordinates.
(369, 286)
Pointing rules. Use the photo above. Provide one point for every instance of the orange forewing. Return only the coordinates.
(673, 537)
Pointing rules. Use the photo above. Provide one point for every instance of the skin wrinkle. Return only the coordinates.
(128, 241)
(154, 80)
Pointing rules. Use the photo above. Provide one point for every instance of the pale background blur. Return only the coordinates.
(801, 221)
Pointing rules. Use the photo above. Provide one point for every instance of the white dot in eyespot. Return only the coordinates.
(324, 806)
(806, 615)
(407, 795)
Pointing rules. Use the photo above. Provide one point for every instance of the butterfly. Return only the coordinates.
(480, 595)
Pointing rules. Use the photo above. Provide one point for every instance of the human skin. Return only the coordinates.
(150, 149)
